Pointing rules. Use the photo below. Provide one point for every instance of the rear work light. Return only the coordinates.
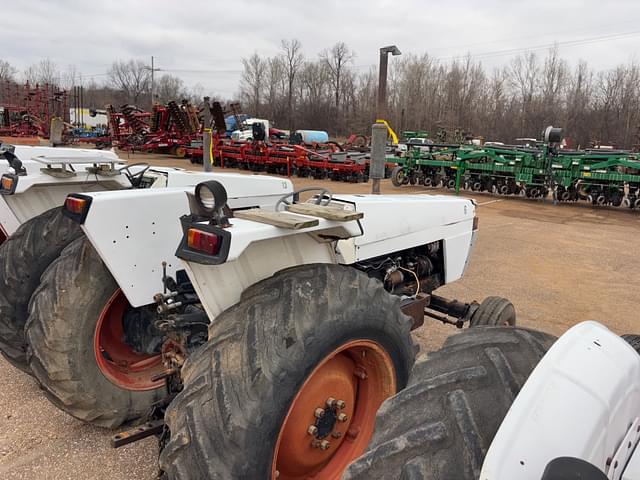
(8, 184)
(205, 242)
(76, 207)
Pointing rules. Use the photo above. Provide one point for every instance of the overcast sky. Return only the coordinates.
(203, 42)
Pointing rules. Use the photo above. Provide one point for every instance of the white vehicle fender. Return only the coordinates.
(581, 401)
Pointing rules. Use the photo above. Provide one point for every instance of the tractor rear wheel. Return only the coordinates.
(23, 259)
(77, 342)
(288, 385)
(494, 312)
(442, 424)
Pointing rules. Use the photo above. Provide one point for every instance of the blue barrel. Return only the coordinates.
(310, 136)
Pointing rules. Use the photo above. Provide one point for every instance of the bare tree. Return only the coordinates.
(132, 78)
(70, 77)
(169, 88)
(293, 61)
(336, 59)
(43, 72)
(7, 72)
(524, 73)
(252, 81)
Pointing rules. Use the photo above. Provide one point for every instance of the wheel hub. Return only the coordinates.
(321, 435)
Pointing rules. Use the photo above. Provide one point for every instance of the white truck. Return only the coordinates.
(278, 333)
(247, 131)
(495, 406)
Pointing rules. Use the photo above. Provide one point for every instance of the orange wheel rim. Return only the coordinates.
(115, 358)
(332, 417)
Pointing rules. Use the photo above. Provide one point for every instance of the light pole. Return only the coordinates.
(378, 130)
(382, 80)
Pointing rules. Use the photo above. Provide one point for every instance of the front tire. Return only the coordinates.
(294, 342)
(76, 348)
(440, 426)
(23, 259)
(494, 312)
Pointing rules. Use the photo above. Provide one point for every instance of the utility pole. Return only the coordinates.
(379, 130)
(153, 70)
(206, 136)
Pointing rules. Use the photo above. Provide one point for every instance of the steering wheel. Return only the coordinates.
(323, 198)
(135, 178)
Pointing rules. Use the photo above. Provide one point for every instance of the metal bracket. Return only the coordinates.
(153, 427)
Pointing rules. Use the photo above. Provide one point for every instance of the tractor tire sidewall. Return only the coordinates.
(64, 312)
(442, 424)
(23, 259)
(240, 385)
(633, 340)
(494, 312)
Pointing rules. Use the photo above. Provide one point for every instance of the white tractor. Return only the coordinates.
(494, 406)
(35, 182)
(270, 337)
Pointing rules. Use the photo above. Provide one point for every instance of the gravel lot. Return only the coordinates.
(558, 264)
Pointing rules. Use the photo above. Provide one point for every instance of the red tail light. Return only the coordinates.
(75, 205)
(205, 242)
(475, 223)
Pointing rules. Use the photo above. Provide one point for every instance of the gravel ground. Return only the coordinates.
(558, 264)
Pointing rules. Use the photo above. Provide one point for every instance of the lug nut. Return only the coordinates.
(336, 434)
(342, 417)
(319, 413)
(312, 430)
(340, 404)
(331, 402)
(324, 445)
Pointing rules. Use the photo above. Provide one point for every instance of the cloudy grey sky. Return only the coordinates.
(203, 42)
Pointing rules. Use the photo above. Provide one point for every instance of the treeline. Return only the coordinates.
(124, 82)
(328, 91)
(518, 100)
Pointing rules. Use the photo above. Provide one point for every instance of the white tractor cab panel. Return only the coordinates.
(134, 231)
(581, 401)
(397, 222)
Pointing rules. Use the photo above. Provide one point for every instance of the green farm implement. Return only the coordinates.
(599, 176)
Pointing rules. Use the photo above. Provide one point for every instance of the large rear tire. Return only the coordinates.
(441, 425)
(295, 343)
(23, 259)
(75, 343)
